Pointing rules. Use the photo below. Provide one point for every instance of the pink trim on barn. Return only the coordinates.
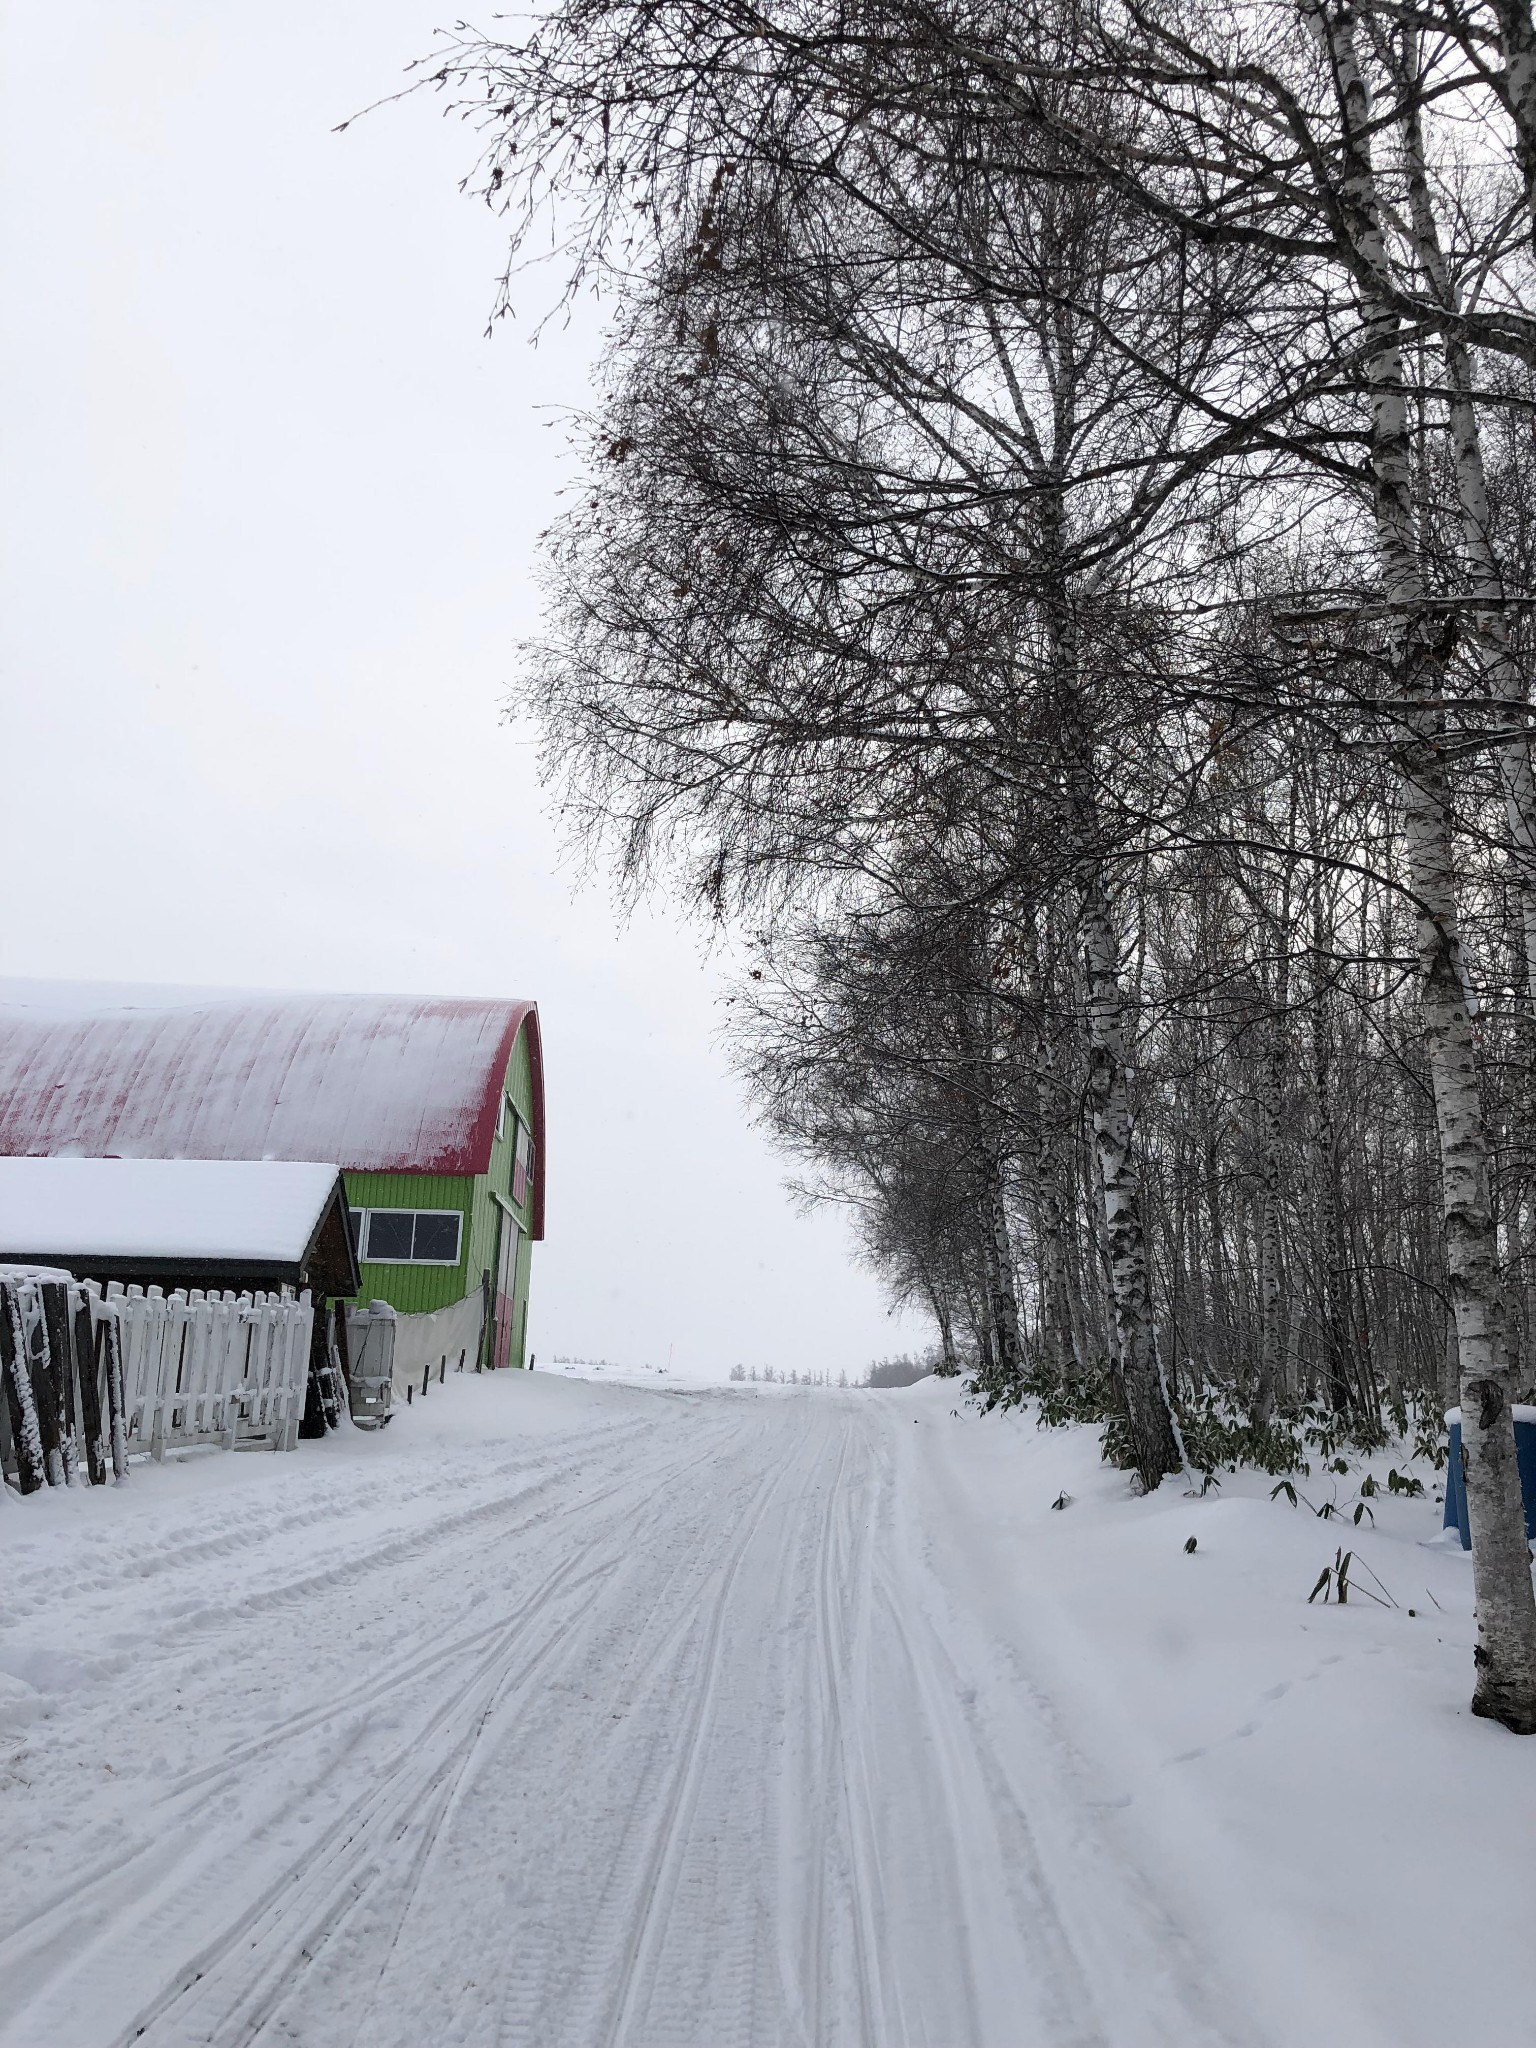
(387, 1084)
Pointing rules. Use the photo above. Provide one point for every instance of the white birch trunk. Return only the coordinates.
(1154, 1444)
(1059, 1330)
(1506, 684)
(1325, 1187)
(941, 1315)
(1004, 1302)
(1271, 1286)
(1505, 1655)
(1152, 1437)
(1517, 40)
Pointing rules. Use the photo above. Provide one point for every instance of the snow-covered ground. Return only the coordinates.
(575, 1715)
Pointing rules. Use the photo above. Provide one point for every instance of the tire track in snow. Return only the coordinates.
(222, 1616)
(60, 1936)
(231, 1989)
(244, 1533)
(678, 1746)
(640, 1910)
(411, 1806)
(369, 1691)
(974, 1825)
(1088, 1914)
(636, 1967)
(841, 1585)
(63, 1932)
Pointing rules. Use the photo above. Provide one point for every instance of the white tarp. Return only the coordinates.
(422, 1342)
(162, 1208)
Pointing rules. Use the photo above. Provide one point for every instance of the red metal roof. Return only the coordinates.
(390, 1084)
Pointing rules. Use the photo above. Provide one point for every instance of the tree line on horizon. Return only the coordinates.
(1051, 574)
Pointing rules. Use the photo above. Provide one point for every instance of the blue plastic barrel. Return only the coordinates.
(1525, 1458)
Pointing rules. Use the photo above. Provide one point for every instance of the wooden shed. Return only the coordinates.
(243, 1225)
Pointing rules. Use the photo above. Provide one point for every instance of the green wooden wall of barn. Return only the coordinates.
(415, 1290)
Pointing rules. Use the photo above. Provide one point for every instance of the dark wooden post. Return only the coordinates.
(344, 1358)
(8, 1419)
(45, 1394)
(343, 1338)
(88, 1376)
(109, 1337)
(61, 1353)
(31, 1467)
(315, 1419)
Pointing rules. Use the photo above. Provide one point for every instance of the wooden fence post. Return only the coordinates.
(111, 1343)
(343, 1392)
(31, 1469)
(61, 1351)
(148, 1307)
(45, 1391)
(88, 1374)
(319, 1400)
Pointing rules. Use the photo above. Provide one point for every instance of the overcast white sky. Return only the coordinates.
(270, 509)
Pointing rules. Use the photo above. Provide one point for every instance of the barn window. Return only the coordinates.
(522, 1163)
(412, 1237)
(436, 1240)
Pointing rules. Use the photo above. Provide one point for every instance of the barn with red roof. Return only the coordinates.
(433, 1108)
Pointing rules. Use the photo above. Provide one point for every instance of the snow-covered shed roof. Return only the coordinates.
(405, 1084)
(194, 1218)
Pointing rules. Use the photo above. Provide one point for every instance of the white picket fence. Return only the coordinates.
(95, 1375)
(199, 1368)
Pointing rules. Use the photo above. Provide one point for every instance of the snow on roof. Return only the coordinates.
(408, 1084)
(163, 1209)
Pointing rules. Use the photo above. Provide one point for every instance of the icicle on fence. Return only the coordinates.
(92, 1376)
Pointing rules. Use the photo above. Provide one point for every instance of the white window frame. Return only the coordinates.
(520, 1128)
(366, 1216)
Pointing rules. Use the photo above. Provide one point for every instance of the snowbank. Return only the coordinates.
(1307, 1780)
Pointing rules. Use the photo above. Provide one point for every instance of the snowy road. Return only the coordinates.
(650, 1720)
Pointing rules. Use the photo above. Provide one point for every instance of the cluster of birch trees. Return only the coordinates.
(1052, 572)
